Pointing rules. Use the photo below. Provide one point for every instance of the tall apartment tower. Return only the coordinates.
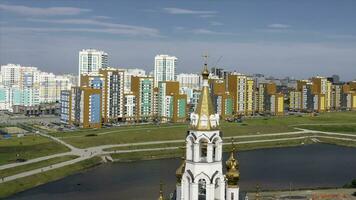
(165, 68)
(91, 60)
(142, 89)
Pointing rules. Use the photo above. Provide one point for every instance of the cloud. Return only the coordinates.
(215, 23)
(102, 17)
(181, 11)
(130, 32)
(206, 16)
(202, 31)
(36, 11)
(112, 27)
(279, 59)
(279, 26)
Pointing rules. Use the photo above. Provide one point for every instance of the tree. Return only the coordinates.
(353, 183)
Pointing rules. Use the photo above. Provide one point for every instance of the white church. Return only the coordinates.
(200, 177)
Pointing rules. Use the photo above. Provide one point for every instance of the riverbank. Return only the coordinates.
(171, 147)
(308, 166)
(317, 194)
(12, 187)
(173, 150)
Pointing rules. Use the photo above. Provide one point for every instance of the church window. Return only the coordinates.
(202, 189)
(203, 149)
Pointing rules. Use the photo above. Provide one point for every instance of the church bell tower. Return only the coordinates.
(200, 176)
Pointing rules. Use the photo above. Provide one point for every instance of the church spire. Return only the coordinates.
(208, 120)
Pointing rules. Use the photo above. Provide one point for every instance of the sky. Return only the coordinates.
(278, 38)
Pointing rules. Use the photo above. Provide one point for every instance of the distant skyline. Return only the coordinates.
(277, 38)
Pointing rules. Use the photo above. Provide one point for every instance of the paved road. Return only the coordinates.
(99, 150)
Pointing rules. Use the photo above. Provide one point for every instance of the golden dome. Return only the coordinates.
(205, 73)
(161, 192)
(232, 166)
(180, 171)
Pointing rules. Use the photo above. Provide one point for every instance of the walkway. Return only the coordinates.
(99, 150)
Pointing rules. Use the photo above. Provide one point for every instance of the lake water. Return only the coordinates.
(317, 165)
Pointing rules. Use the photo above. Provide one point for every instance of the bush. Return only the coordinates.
(353, 183)
(91, 135)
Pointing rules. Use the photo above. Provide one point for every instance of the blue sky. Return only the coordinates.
(277, 37)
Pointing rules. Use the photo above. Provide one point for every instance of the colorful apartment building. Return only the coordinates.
(241, 89)
(112, 94)
(171, 105)
(142, 88)
(221, 99)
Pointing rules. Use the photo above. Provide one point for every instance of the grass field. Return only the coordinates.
(36, 165)
(120, 135)
(28, 147)
(350, 129)
(21, 184)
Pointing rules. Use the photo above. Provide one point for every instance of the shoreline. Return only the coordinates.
(78, 168)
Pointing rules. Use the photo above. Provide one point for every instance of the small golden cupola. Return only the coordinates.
(204, 118)
(180, 171)
(232, 168)
(160, 191)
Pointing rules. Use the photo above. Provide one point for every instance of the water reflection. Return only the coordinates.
(317, 165)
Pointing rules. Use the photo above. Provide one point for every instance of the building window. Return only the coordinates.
(203, 149)
(202, 189)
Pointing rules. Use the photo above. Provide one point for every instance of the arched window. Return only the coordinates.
(190, 149)
(217, 189)
(216, 149)
(186, 187)
(202, 189)
(203, 149)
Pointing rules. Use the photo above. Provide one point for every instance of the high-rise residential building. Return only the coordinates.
(241, 88)
(129, 73)
(219, 72)
(112, 94)
(84, 107)
(130, 107)
(249, 96)
(295, 100)
(165, 68)
(189, 81)
(270, 101)
(277, 104)
(29, 86)
(222, 100)
(322, 89)
(65, 106)
(348, 100)
(5, 98)
(90, 61)
(142, 88)
(265, 92)
(336, 97)
(48, 87)
(10, 75)
(171, 105)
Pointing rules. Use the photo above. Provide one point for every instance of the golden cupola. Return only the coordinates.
(204, 118)
(160, 192)
(232, 168)
(180, 171)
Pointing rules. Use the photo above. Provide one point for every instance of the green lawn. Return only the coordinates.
(333, 128)
(173, 153)
(22, 184)
(36, 165)
(144, 133)
(28, 147)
